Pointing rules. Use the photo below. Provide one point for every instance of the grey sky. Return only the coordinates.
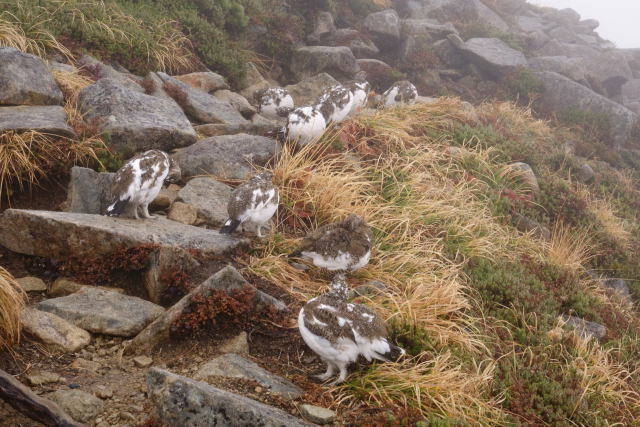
(619, 19)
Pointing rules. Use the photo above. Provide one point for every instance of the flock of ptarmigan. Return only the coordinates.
(336, 330)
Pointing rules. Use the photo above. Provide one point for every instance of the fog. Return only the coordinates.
(618, 18)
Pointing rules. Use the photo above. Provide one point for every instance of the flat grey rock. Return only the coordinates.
(585, 328)
(61, 234)
(183, 402)
(99, 311)
(228, 156)
(209, 196)
(200, 106)
(307, 90)
(338, 61)
(561, 94)
(89, 191)
(51, 119)
(317, 414)
(493, 55)
(104, 71)
(133, 121)
(25, 79)
(384, 24)
(233, 366)
(54, 331)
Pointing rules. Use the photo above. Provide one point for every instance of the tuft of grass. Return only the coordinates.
(32, 38)
(12, 301)
(569, 249)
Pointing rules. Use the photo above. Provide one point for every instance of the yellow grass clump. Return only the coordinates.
(12, 301)
(569, 249)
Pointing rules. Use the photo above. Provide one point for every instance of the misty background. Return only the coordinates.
(618, 18)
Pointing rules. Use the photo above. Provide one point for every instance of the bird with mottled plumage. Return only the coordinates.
(255, 202)
(339, 332)
(402, 92)
(274, 102)
(339, 101)
(307, 124)
(360, 90)
(139, 180)
(341, 246)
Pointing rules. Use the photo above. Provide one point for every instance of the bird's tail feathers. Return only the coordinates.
(394, 354)
(230, 226)
(117, 207)
(295, 254)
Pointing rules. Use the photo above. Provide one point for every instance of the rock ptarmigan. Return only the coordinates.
(254, 201)
(338, 100)
(341, 246)
(339, 331)
(360, 90)
(274, 102)
(138, 182)
(306, 124)
(402, 92)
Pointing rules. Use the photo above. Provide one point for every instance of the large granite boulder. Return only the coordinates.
(26, 80)
(492, 55)
(209, 196)
(630, 92)
(607, 72)
(338, 61)
(104, 71)
(50, 119)
(61, 234)
(183, 402)
(455, 11)
(200, 106)
(206, 81)
(103, 312)
(89, 191)
(561, 94)
(574, 68)
(133, 121)
(228, 156)
(324, 27)
(307, 91)
(384, 26)
(429, 28)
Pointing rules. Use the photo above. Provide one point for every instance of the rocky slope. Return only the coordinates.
(496, 235)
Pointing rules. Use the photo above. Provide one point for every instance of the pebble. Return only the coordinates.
(104, 393)
(317, 414)
(143, 361)
(258, 389)
(43, 377)
(87, 365)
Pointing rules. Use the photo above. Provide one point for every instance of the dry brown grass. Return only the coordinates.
(569, 249)
(37, 41)
(12, 301)
(610, 222)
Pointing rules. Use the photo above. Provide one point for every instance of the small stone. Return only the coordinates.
(238, 345)
(81, 406)
(127, 416)
(32, 284)
(143, 361)
(62, 287)
(85, 365)
(258, 389)
(53, 331)
(317, 414)
(104, 393)
(586, 174)
(184, 213)
(43, 377)
(298, 266)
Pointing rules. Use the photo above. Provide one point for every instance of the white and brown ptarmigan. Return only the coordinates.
(338, 100)
(274, 102)
(306, 124)
(254, 202)
(138, 182)
(360, 90)
(339, 331)
(341, 246)
(402, 92)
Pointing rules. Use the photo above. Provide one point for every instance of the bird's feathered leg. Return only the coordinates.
(145, 212)
(331, 370)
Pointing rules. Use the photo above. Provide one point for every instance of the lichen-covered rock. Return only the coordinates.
(206, 81)
(229, 156)
(163, 264)
(338, 61)
(80, 405)
(456, 10)
(384, 25)
(31, 284)
(493, 55)
(26, 80)
(89, 191)
(183, 402)
(200, 106)
(133, 121)
(237, 101)
(307, 91)
(99, 311)
(50, 119)
(104, 71)
(584, 328)
(209, 196)
(317, 414)
(61, 234)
